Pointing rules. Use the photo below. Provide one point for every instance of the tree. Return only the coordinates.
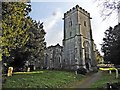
(99, 57)
(22, 39)
(108, 7)
(15, 24)
(36, 44)
(18, 57)
(111, 45)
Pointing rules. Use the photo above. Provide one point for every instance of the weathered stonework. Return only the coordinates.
(78, 41)
(78, 49)
(53, 57)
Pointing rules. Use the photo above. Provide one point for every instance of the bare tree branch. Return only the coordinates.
(108, 7)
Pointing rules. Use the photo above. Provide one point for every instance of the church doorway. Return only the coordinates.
(87, 66)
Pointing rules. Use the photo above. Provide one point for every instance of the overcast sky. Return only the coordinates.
(51, 14)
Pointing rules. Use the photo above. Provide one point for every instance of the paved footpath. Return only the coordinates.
(91, 78)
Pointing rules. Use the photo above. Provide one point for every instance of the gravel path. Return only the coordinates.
(91, 78)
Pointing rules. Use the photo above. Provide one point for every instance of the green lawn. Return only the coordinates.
(106, 78)
(42, 79)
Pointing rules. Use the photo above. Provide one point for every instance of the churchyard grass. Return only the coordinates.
(106, 78)
(41, 79)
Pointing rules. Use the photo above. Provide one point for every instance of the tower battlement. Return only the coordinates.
(77, 8)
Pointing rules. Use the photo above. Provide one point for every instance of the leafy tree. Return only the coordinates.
(18, 57)
(36, 44)
(33, 50)
(15, 24)
(111, 44)
(22, 39)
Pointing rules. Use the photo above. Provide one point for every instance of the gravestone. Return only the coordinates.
(10, 71)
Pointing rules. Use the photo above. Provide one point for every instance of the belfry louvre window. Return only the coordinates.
(85, 23)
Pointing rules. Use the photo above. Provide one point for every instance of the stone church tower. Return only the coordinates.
(78, 43)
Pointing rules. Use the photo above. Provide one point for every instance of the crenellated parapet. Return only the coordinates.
(76, 8)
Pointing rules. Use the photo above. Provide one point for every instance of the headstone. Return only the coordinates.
(34, 68)
(10, 71)
(28, 69)
(110, 72)
(76, 72)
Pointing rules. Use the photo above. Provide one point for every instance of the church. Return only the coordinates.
(78, 49)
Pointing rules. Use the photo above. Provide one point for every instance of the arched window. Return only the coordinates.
(70, 27)
(70, 33)
(86, 46)
(59, 60)
(85, 23)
